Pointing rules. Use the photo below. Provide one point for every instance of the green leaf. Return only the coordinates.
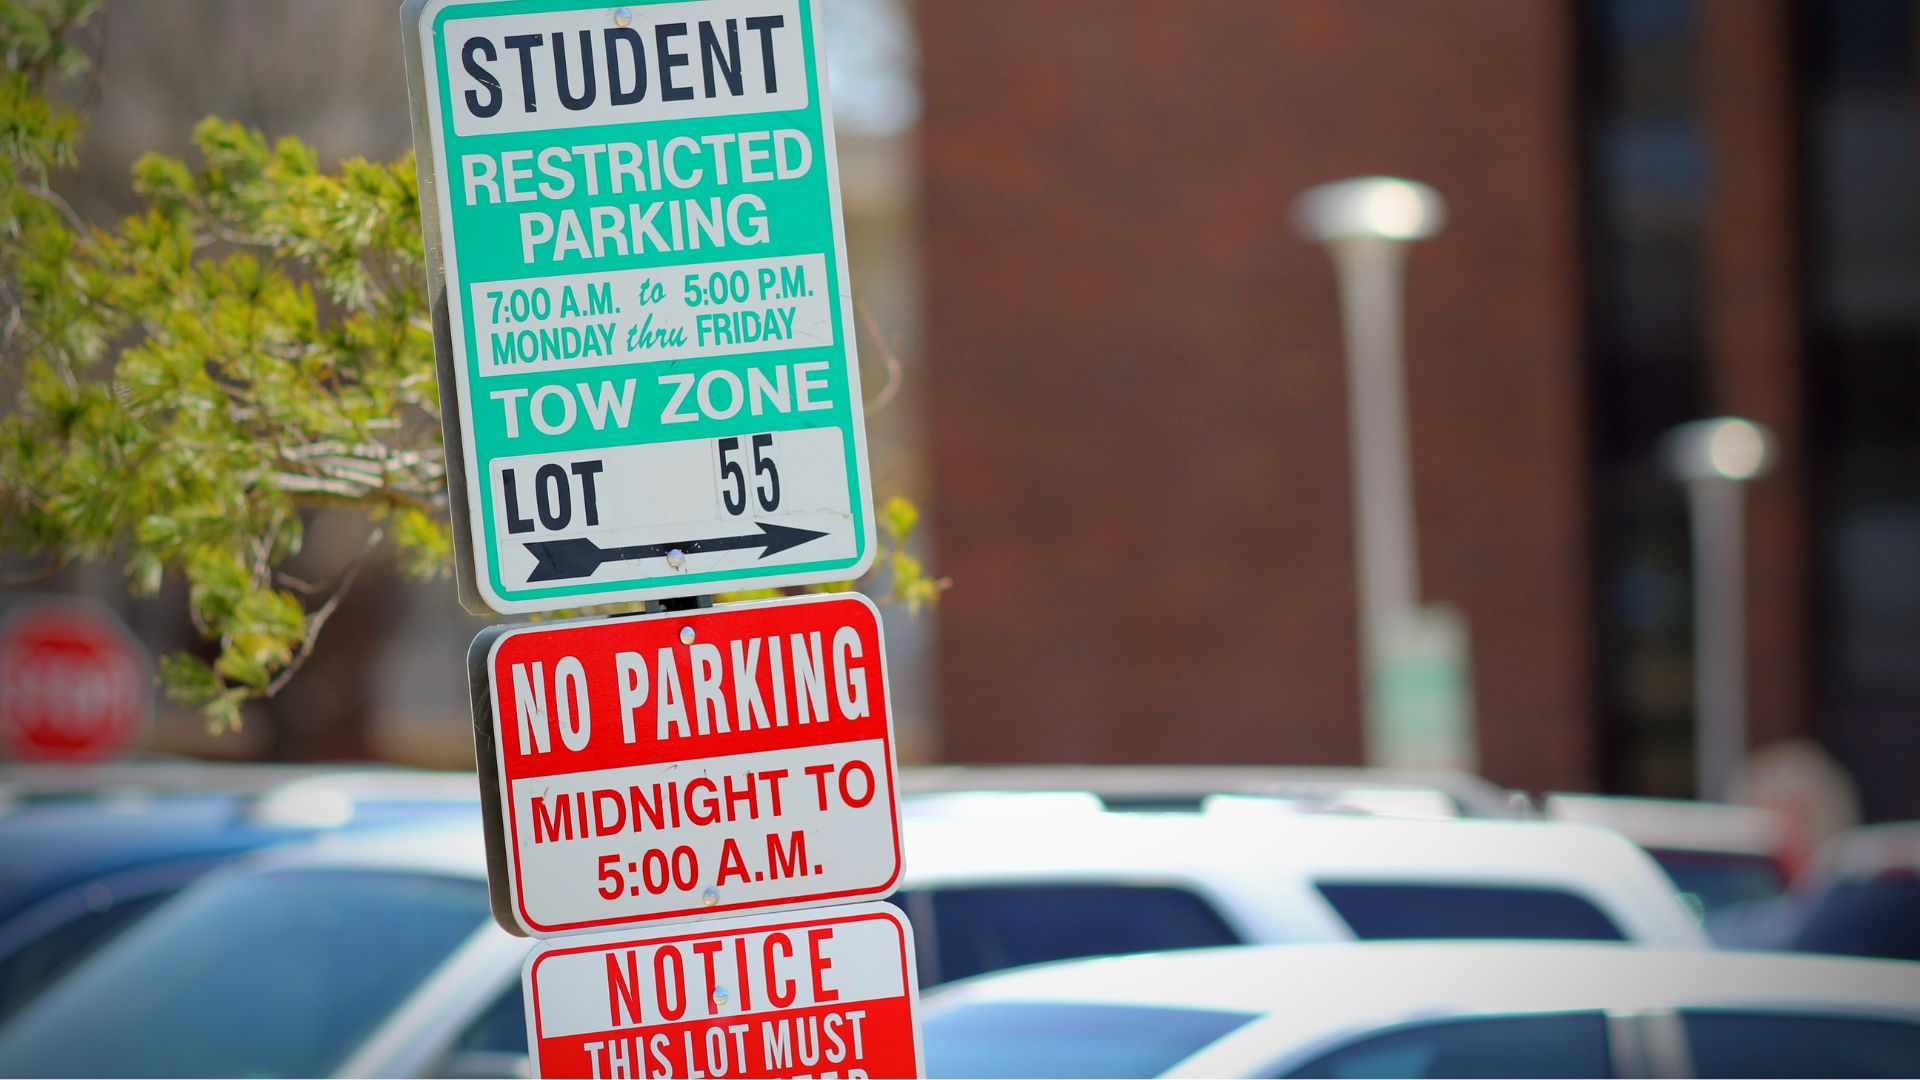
(898, 516)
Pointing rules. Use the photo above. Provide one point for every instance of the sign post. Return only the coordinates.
(638, 271)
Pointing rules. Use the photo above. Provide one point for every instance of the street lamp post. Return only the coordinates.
(1715, 459)
(1412, 656)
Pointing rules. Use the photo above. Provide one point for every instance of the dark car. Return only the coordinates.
(1862, 897)
(77, 867)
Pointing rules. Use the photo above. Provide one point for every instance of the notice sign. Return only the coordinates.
(633, 219)
(689, 764)
(829, 994)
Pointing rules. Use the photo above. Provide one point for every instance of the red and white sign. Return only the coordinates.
(822, 994)
(692, 764)
(75, 687)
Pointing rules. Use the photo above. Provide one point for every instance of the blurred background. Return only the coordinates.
(1400, 464)
(1124, 397)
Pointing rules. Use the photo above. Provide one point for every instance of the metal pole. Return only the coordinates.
(1371, 274)
(1716, 459)
(1714, 506)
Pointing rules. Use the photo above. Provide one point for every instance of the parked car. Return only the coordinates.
(82, 867)
(1721, 855)
(1431, 1009)
(373, 953)
(1014, 883)
(1862, 895)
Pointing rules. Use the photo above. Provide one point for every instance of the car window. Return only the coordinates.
(1867, 917)
(966, 931)
(1726, 1043)
(1549, 1045)
(260, 974)
(1720, 879)
(1044, 1039)
(1398, 910)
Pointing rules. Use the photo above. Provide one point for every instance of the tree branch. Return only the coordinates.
(887, 393)
(53, 198)
(318, 620)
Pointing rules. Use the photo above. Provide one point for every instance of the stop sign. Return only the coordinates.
(74, 685)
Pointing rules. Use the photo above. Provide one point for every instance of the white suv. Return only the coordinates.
(1026, 879)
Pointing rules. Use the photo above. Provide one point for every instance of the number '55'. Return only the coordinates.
(733, 475)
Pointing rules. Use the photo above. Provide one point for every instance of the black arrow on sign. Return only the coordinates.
(562, 559)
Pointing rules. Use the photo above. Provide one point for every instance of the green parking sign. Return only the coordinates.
(640, 297)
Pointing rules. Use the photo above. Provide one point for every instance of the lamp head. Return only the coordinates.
(1369, 207)
(1722, 448)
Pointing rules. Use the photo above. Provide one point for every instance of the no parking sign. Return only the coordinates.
(688, 764)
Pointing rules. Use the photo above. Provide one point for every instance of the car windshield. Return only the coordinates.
(974, 929)
(1399, 910)
(1720, 879)
(273, 973)
(1000, 1039)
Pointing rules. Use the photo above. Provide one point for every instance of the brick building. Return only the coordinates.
(1658, 211)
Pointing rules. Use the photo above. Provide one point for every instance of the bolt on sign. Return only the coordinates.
(686, 764)
(640, 292)
(819, 994)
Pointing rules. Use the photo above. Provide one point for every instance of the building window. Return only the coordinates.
(1646, 189)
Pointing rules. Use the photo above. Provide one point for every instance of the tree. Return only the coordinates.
(190, 385)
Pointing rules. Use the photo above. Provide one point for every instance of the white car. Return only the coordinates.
(1432, 1009)
(375, 955)
(1016, 882)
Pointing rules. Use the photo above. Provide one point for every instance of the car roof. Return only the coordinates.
(1424, 980)
(1187, 786)
(1675, 824)
(58, 839)
(50, 846)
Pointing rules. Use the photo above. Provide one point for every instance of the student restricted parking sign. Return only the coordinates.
(642, 311)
